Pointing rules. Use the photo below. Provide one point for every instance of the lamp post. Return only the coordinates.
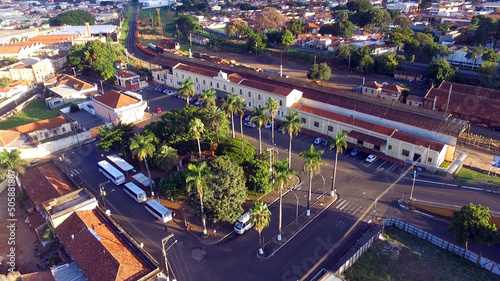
(163, 242)
(413, 185)
(297, 209)
(102, 192)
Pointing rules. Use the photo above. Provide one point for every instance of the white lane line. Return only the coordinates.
(385, 161)
(359, 208)
(340, 205)
(343, 207)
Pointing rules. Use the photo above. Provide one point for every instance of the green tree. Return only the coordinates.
(471, 223)
(282, 175)
(236, 27)
(166, 158)
(260, 218)
(187, 24)
(232, 148)
(443, 27)
(286, 38)
(296, 26)
(255, 43)
(216, 118)
(197, 128)
(116, 137)
(174, 186)
(231, 107)
(387, 64)
(477, 51)
(291, 125)
(94, 56)
(5, 81)
(143, 147)
(259, 115)
(439, 70)
(187, 90)
(366, 64)
(208, 97)
(343, 28)
(339, 144)
(490, 55)
(488, 68)
(74, 18)
(319, 72)
(226, 191)
(312, 164)
(196, 180)
(359, 5)
(258, 176)
(272, 105)
(11, 161)
(412, 46)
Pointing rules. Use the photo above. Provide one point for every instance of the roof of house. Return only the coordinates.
(470, 90)
(392, 87)
(100, 251)
(57, 178)
(65, 79)
(372, 84)
(38, 276)
(126, 74)
(40, 125)
(7, 137)
(39, 188)
(116, 99)
(433, 145)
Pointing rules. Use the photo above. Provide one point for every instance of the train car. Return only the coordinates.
(197, 55)
(152, 46)
(205, 57)
(160, 49)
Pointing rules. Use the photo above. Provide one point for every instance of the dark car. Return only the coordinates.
(362, 155)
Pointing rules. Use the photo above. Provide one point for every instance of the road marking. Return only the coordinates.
(382, 164)
(351, 208)
(343, 207)
(360, 207)
(75, 171)
(392, 168)
(340, 204)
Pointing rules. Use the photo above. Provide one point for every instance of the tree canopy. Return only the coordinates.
(258, 176)
(187, 24)
(232, 148)
(296, 26)
(439, 70)
(77, 17)
(269, 18)
(94, 56)
(319, 72)
(5, 81)
(116, 137)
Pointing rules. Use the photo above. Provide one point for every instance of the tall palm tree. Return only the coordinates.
(197, 128)
(196, 179)
(312, 164)
(187, 90)
(339, 144)
(292, 126)
(272, 105)
(230, 106)
(240, 108)
(11, 161)
(143, 146)
(216, 117)
(474, 53)
(166, 158)
(208, 97)
(260, 216)
(259, 115)
(282, 175)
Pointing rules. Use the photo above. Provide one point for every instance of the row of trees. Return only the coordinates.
(94, 56)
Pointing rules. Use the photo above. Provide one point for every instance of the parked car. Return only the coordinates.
(247, 118)
(198, 103)
(354, 152)
(325, 143)
(158, 110)
(166, 91)
(371, 158)
(270, 125)
(279, 129)
(156, 88)
(250, 124)
(362, 155)
(159, 89)
(318, 140)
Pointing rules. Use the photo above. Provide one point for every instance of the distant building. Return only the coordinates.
(199, 39)
(408, 76)
(66, 89)
(415, 101)
(44, 129)
(128, 80)
(385, 92)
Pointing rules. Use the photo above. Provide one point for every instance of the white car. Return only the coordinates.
(371, 158)
(318, 140)
(250, 124)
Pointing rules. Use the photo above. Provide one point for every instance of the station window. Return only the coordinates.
(303, 120)
(405, 153)
(390, 147)
(330, 128)
(360, 142)
(316, 124)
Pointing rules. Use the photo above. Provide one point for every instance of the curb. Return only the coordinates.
(405, 207)
(457, 185)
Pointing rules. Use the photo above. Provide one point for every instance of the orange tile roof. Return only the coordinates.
(373, 84)
(38, 276)
(40, 125)
(38, 187)
(65, 79)
(391, 87)
(57, 178)
(116, 99)
(104, 255)
(7, 137)
(126, 74)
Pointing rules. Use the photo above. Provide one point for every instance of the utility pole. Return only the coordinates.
(413, 185)
(159, 22)
(102, 89)
(163, 242)
(74, 72)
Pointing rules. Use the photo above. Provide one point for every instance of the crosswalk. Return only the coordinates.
(349, 208)
(76, 171)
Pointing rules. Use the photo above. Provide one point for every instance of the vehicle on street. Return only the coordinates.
(159, 89)
(279, 129)
(112, 173)
(197, 103)
(90, 141)
(371, 158)
(166, 91)
(243, 223)
(247, 118)
(325, 142)
(156, 88)
(354, 152)
(250, 124)
(270, 125)
(318, 140)
(158, 110)
(135, 192)
(362, 155)
(159, 211)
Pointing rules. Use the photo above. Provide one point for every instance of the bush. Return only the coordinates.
(74, 108)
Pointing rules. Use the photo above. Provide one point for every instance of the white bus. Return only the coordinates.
(243, 223)
(135, 192)
(120, 163)
(111, 172)
(158, 210)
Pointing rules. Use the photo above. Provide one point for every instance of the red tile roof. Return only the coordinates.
(116, 99)
(40, 125)
(38, 276)
(57, 178)
(38, 188)
(367, 138)
(394, 88)
(7, 137)
(235, 78)
(103, 256)
(65, 79)
(433, 145)
(126, 74)
(373, 84)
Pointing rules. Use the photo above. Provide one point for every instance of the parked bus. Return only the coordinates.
(158, 210)
(135, 192)
(120, 163)
(243, 223)
(111, 172)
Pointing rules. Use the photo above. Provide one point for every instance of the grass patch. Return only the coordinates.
(445, 164)
(406, 257)
(470, 176)
(35, 111)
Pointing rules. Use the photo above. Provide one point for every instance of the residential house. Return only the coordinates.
(45, 129)
(17, 87)
(380, 49)
(199, 39)
(32, 69)
(416, 101)
(130, 80)
(383, 91)
(311, 28)
(120, 107)
(56, 210)
(7, 138)
(407, 75)
(66, 88)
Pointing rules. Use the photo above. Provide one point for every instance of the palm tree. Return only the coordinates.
(474, 53)
(339, 144)
(259, 115)
(215, 118)
(230, 106)
(240, 108)
(312, 164)
(208, 97)
(272, 105)
(281, 176)
(11, 161)
(142, 146)
(260, 216)
(187, 90)
(292, 126)
(197, 179)
(197, 128)
(166, 159)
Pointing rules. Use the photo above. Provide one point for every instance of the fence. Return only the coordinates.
(479, 141)
(471, 256)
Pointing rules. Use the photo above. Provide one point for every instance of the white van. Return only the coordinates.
(243, 223)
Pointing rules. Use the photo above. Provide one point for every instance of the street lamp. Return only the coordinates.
(413, 185)
(297, 209)
(163, 242)
(102, 192)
